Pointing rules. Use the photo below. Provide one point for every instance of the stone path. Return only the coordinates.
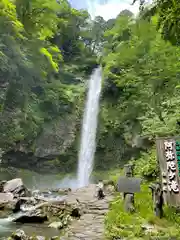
(91, 224)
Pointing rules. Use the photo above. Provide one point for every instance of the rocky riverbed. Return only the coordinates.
(69, 213)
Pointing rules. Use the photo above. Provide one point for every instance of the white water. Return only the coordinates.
(5, 223)
(89, 126)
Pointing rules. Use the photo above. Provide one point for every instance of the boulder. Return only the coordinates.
(55, 238)
(62, 191)
(2, 183)
(5, 199)
(17, 206)
(19, 235)
(12, 185)
(62, 223)
(21, 191)
(56, 137)
(34, 216)
(56, 225)
(16, 187)
(38, 238)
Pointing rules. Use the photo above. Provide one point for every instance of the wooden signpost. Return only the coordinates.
(168, 152)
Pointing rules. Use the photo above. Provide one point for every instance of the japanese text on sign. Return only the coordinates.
(171, 184)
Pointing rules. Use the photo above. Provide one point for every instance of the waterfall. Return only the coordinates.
(89, 126)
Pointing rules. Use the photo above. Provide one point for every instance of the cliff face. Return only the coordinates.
(44, 61)
(56, 137)
(42, 139)
(55, 148)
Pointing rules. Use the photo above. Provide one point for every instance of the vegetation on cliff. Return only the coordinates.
(47, 52)
(141, 64)
(141, 93)
(48, 49)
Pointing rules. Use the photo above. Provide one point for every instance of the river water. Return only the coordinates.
(6, 229)
(33, 181)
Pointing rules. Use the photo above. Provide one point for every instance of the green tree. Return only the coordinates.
(141, 88)
(167, 16)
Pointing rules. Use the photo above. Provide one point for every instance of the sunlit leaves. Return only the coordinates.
(42, 49)
(51, 54)
(39, 17)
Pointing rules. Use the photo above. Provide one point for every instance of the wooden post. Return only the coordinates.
(157, 197)
(129, 197)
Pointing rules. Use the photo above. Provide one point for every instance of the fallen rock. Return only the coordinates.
(21, 191)
(61, 191)
(5, 199)
(36, 193)
(35, 216)
(64, 221)
(30, 200)
(12, 185)
(16, 187)
(18, 205)
(2, 185)
(55, 238)
(19, 235)
(38, 238)
(56, 225)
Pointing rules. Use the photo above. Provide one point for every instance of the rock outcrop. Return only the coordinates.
(16, 187)
(19, 235)
(81, 214)
(10, 194)
(5, 199)
(34, 216)
(56, 137)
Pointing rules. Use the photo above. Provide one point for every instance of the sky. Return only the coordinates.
(105, 8)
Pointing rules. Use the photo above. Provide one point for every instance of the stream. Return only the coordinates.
(6, 228)
(40, 182)
(34, 181)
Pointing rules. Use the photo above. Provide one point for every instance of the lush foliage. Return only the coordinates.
(135, 226)
(141, 90)
(168, 17)
(146, 166)
(47, 50)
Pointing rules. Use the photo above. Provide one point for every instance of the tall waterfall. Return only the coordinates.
(89, 126)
